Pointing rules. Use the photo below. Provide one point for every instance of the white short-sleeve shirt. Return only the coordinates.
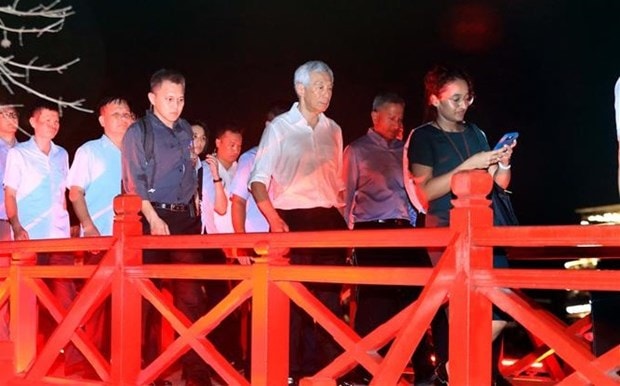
(254, 219)
(39, 181)
(96, 168)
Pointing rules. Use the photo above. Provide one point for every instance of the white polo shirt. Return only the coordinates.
(96, 168)
(40, 182)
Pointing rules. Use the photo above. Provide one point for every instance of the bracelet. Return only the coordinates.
(504, 167)
(218, 180)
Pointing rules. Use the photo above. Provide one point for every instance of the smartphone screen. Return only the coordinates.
(506, 140)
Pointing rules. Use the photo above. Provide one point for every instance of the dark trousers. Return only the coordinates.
(376, 304)
(187, 294)
(311, 347)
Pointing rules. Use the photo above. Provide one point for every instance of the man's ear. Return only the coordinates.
(217, 143)
(300, 89)
(151, 98)
(373, 117)
(101, 120)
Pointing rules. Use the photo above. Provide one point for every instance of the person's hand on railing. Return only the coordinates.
(19, 233)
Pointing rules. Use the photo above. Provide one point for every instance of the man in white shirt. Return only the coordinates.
(34, 195)
(218, 171)
(94, 180)
(299, 160)
(8, 127)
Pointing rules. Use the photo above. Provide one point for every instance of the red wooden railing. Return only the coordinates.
(464, 278)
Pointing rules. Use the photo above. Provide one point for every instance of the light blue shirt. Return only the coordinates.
(96, 169)
(4, 151)
(39, 182)
(254, 219)
(373, 176)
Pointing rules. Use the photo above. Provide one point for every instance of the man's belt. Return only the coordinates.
(170, 207)
(394, 221)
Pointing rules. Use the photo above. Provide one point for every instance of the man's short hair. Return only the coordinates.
(229, 126)
(112, 100)
(44, 106)
(387, 98)
(163, 75)
(302, 74)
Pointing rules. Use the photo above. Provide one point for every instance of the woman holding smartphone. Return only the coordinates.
(447, 144)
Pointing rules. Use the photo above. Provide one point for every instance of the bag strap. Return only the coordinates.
(148, 144)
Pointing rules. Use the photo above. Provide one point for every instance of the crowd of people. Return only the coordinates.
(300, 177)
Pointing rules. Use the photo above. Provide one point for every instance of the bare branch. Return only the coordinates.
(15, 72)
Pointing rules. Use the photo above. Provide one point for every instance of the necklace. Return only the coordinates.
(445, 134)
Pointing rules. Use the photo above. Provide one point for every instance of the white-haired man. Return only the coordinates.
(300, 160)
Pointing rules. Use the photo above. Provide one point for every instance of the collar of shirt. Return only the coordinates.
(298, 119)
(379, 140)
(31, 143)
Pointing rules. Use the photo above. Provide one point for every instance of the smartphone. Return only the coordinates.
(506, 140)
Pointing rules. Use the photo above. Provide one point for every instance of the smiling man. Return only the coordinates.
(299, 160)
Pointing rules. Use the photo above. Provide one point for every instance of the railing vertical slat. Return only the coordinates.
(270, 328)
(126, 300)
(469, 310)
(23, 308)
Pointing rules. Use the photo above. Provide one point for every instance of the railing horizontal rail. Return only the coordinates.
(53, 245)
(593, 280)
(437, 237)
(539, 236)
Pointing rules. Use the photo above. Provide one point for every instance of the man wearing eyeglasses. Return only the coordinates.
(8, 128)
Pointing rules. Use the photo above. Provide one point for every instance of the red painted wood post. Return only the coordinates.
(126, 300)
(270, 324)
(24, 313)
(470, 311)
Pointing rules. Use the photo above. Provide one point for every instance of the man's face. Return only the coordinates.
(115, 118)
(45, 123)
(388, 120)
(8, 120)
(316, 97)
(168, 100)
(229, 146)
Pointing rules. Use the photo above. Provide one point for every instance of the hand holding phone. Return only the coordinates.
(507, 140)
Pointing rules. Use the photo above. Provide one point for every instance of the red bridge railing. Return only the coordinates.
(464, 277)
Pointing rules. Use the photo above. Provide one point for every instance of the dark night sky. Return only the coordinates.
(545, 68)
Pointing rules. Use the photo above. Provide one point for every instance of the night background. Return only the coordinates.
(545, 68)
